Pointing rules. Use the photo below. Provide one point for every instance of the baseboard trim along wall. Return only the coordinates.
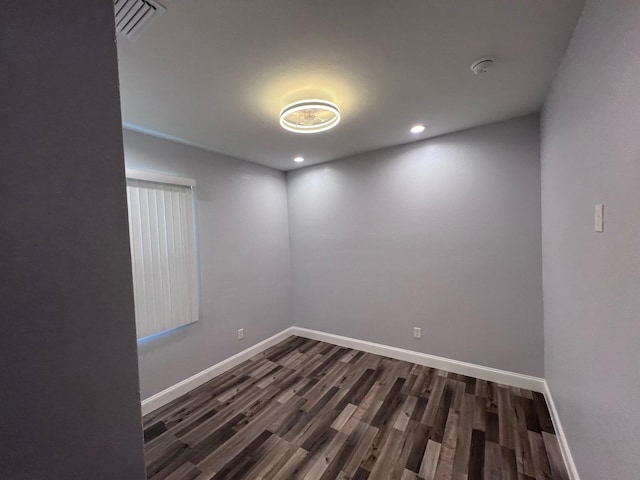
(176, 391)
(535, 384)
(564, 445)
(504, 377)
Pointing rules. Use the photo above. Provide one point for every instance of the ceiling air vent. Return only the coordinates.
(133, 16)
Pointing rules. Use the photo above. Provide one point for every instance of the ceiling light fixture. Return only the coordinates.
(298, 159)
(417, 129)
(309, 116)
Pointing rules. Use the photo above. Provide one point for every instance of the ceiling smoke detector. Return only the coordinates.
(482, 65)
(310, 116)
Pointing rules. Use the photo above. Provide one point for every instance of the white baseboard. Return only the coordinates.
(168, 395)
(564, 446)
(535, 384)
(528, 382)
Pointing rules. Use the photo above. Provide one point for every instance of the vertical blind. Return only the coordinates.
(163, 252)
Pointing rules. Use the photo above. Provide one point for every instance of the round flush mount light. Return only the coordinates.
(310, 116)
(417, 129)
(298, 159)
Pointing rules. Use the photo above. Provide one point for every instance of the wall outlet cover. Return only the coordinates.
(599, 218)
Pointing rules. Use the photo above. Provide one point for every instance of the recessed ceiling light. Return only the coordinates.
(309, 116)
(298, 159)
(417, 129)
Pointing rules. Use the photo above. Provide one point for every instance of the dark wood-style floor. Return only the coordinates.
(309, 410)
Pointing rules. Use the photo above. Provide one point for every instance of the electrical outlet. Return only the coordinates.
(417, 332)
(240, 333)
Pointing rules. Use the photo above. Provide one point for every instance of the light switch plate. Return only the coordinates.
(599, 218)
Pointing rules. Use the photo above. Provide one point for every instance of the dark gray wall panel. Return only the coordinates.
(69, 391)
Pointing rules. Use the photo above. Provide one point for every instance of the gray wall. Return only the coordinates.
(442, 234)
(244, 261)
(591, 154)
(68, 366)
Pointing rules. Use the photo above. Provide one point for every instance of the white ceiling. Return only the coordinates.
(216, 73)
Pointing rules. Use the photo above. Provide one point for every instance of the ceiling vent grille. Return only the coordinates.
(133, 16)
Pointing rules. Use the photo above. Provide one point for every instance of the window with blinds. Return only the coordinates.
(163, 251)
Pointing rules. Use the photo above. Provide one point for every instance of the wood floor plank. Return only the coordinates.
(558, 470)
(430, 460)
(289, 469)
(274, 461)
(524, 457)
(544, 418)
(444, 469)
(540, 460)
(492, 461)
(406, 411)
(479, 414)
(409, 437)
(433, 404)
(304, 409)
(463, 446)
(509, 468)
(187, 471)
(390, 451)
(344, 416)
(324, 458)
(506, 418)
(476, 455)
(364, 434)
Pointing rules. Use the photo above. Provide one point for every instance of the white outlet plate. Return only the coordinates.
(240, 333)
(417, 332)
